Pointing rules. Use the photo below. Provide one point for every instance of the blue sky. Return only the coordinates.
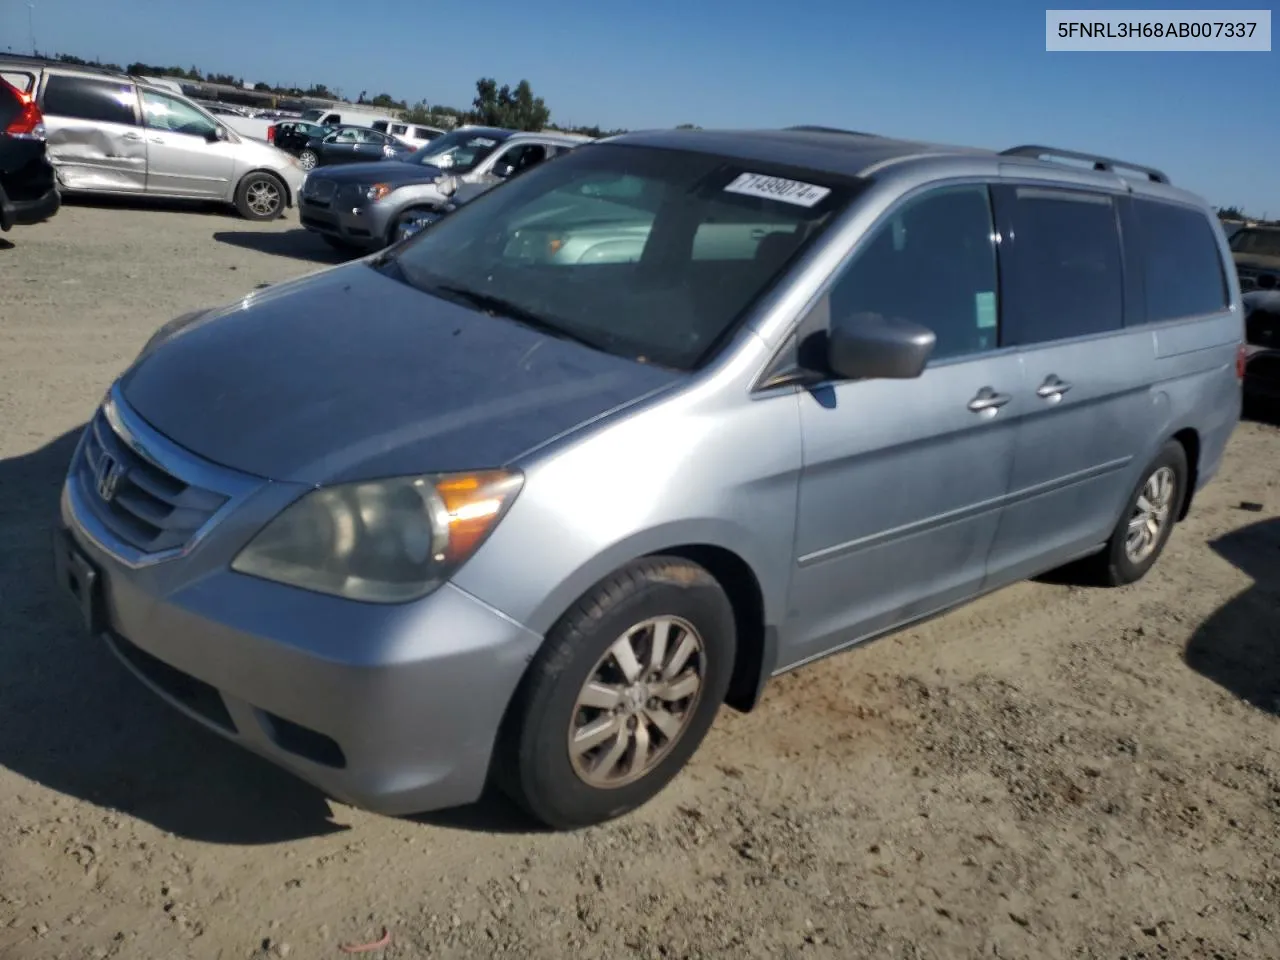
(971, 73)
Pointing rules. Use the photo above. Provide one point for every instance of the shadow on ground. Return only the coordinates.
(1239, 646)
(74, 720)
(297, 244)
(143, 202)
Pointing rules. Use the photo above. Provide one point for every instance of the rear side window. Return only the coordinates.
(23, 82)
(933, 262)
(1181, 267)
(1065, 276)
(88, 98)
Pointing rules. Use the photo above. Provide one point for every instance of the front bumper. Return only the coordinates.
(354, 220)
(391, 708)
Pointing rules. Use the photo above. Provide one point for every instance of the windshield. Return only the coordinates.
(1264, 243)
(312, 115)
(457, 152)
(649, 254)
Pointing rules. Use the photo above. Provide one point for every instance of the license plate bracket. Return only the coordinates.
(78, 576)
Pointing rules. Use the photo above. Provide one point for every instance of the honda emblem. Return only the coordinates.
(108, 476)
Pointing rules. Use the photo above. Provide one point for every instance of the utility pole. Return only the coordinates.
(31, 26)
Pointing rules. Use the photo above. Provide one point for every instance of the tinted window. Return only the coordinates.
(1065, 269)
(1181, 266)
(601, 245)
(83, 98)
(933, 263)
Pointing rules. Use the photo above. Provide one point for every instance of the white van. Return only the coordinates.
(416, 134)
(350, 116)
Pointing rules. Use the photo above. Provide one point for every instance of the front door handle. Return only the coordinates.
(130, 136)
(1052, 388)
(988, 401)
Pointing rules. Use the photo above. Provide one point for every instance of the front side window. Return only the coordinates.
(169, 113)
(933, 263)
(650, 254)
(88, 98)
(1181, 266)
(1064, 264)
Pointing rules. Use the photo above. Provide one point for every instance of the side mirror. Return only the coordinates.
(867, 346)
(217, 133)
(502, 169)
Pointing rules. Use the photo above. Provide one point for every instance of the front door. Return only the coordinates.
(1089, 411)
(185, 158)
(95, 141)
(903, 480)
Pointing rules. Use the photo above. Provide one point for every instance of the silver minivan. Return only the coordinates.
(526, 498)
(109, 133)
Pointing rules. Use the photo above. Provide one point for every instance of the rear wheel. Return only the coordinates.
(1144, 528)
(260, 196)
(621, 694)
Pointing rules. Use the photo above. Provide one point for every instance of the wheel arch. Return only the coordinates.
(1189, 438)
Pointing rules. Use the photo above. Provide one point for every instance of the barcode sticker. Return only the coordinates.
(777, 188)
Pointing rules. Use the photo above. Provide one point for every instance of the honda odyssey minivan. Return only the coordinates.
(526, 498)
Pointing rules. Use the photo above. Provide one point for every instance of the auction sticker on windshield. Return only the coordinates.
(777, 188)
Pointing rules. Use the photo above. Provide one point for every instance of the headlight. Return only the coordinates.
(381, 541)
(377, 191)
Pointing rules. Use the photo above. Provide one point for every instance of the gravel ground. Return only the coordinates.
(1050, 772)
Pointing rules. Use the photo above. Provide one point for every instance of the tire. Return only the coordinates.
(535, 763)
(1116, 565)
(254, 196)
(393, 234)
(308, 159)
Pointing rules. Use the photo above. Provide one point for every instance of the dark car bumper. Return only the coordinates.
(1262, 374)
(18, 213)
(352, 219)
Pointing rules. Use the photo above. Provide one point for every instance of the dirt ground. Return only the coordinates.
(1051, 772)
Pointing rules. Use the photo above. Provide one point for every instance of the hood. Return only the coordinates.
(379, 171)
(349, 375)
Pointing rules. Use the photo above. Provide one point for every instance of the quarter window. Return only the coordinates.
(88, 98)
(933, 262)
(1065, 269)
(1181, 266)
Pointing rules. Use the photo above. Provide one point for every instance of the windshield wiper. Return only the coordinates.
(497, 306)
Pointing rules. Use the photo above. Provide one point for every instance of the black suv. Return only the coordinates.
(28, 187)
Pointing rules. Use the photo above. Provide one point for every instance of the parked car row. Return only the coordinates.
(370, 205)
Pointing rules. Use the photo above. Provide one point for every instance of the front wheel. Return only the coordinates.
(621, 694)
(260, 196)
(410, 223)
(307, 159)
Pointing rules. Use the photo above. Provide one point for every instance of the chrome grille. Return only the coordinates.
(142, 504)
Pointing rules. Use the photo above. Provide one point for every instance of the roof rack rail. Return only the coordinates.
(811, 128)
(1107, 164)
